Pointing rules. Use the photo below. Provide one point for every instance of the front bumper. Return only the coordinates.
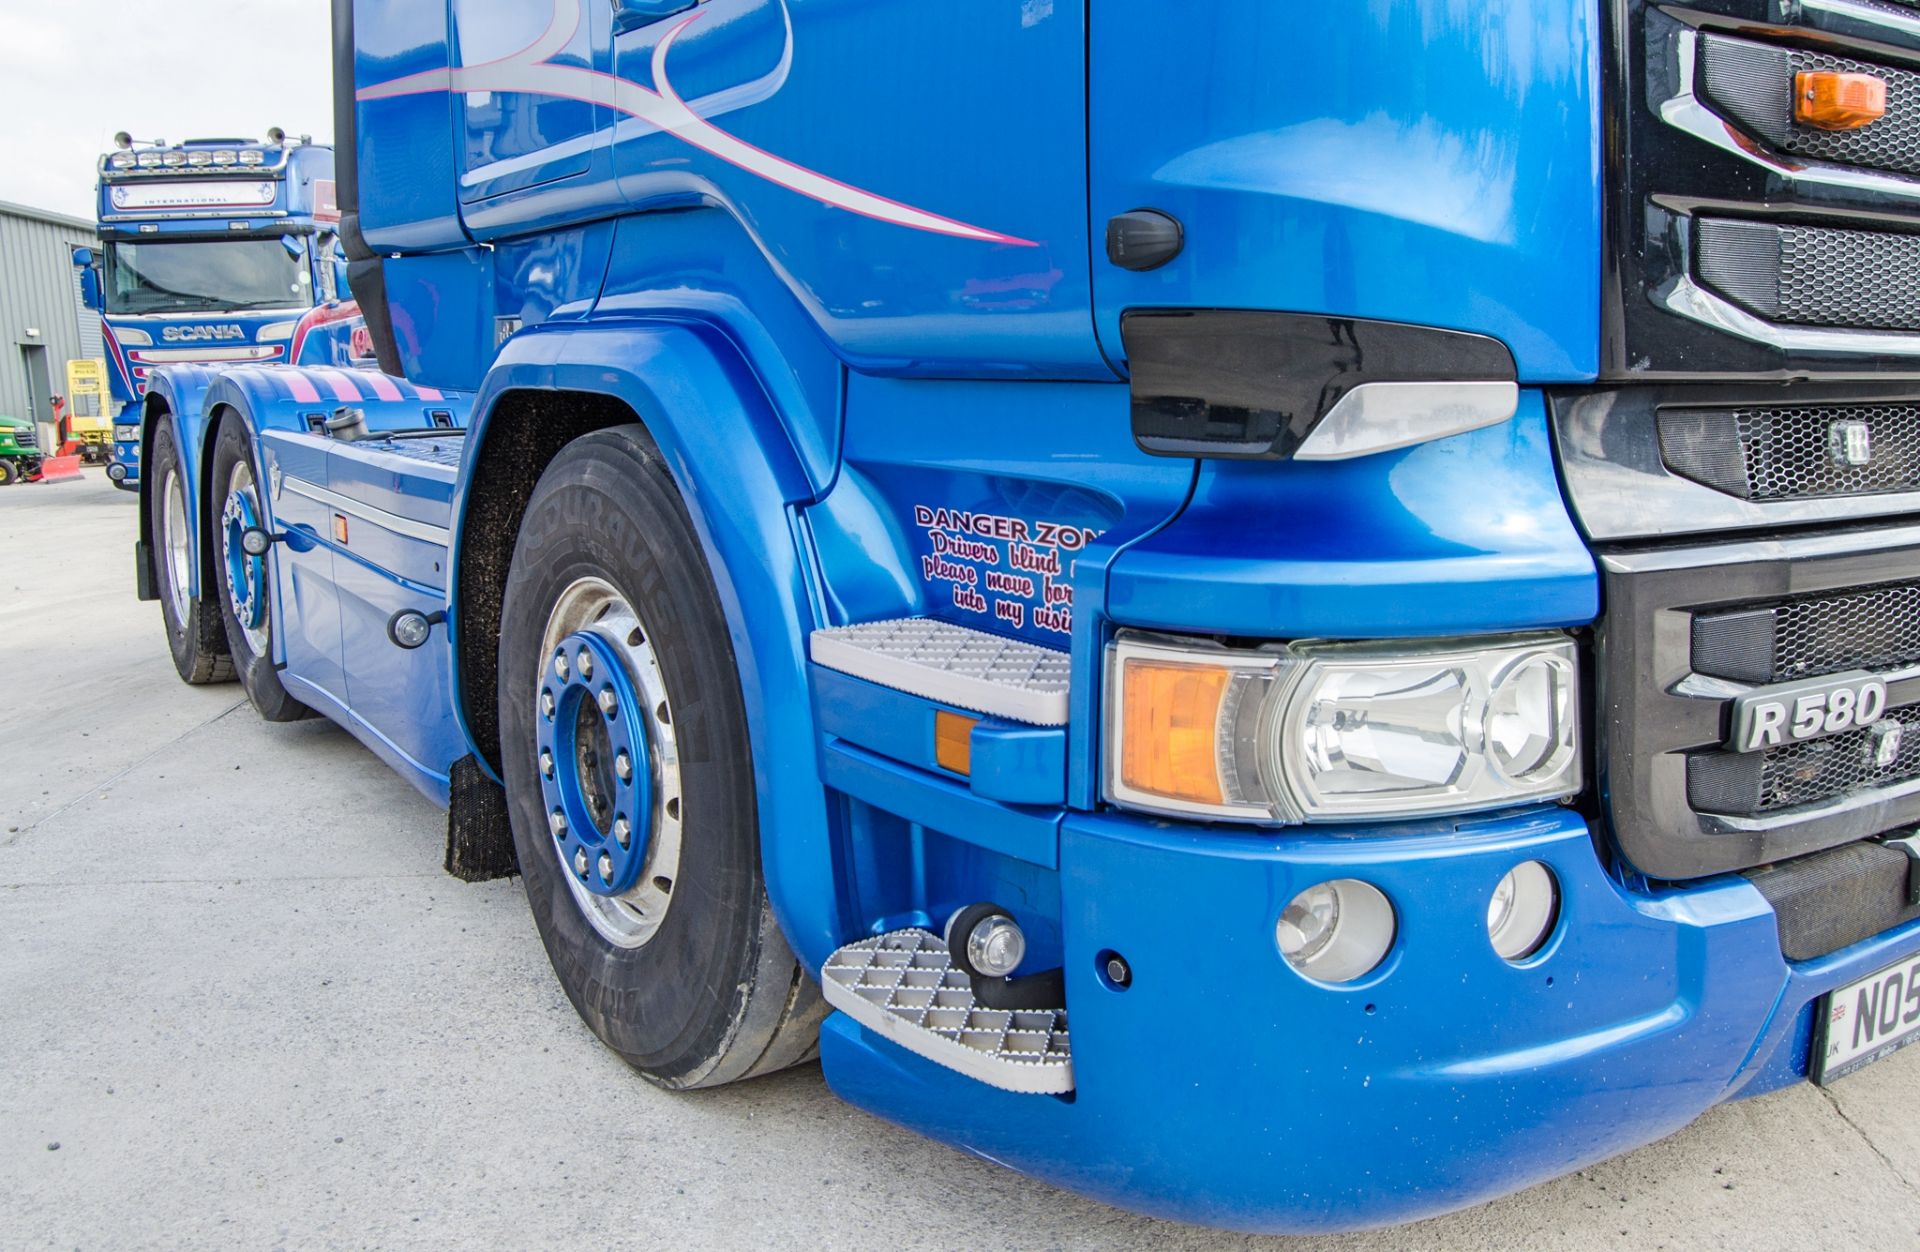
(124, 469)
(1222, 1088)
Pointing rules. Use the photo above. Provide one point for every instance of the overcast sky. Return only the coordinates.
(72, 72)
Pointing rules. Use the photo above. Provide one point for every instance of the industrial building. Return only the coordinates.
(42, 322)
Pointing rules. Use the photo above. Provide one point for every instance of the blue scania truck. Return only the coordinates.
(1291, 616)
(214, 251)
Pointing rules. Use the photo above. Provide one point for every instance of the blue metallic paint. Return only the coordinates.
(1426, 161)
(1223, 1088)
(1220, 1086)
(726, 445)
(562, 789)
(1459, 536)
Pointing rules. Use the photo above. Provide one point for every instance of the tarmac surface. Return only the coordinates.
(241, 1006)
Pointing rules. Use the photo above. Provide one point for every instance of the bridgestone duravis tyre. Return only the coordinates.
(668, 948)
(249, 641)
(195, 634)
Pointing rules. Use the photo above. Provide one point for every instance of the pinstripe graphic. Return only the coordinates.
(528, 72)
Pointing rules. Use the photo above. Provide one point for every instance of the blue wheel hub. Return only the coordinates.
(596, 773)
(246, 575)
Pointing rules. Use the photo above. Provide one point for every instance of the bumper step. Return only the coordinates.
(903, 985)
(951, 664)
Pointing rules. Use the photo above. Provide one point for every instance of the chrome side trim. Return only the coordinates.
(1867, 14)
(1379, 417)
(1685, 111)
(426, 532)
(1690, 300)
(1753, 551)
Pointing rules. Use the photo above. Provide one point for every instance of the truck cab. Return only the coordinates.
(215, 251)
(1290, 616)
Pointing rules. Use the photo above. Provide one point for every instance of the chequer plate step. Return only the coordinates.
(903, 985)
(969, 669)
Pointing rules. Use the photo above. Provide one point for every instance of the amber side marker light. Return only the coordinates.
(1170, 716)
(1829, 100)
(953, 741)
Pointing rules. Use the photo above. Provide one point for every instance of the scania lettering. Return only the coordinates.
(1291, 616)
(214, 251)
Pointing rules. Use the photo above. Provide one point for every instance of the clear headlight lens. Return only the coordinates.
(1317, 732)
(126, 434)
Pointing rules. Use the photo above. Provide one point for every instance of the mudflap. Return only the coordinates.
(143, 572)
(479, 838)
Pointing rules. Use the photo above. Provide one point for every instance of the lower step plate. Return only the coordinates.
(903, 985)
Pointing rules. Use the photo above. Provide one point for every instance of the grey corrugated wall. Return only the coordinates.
(37, 291)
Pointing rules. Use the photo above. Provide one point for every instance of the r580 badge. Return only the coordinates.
(1793, 712)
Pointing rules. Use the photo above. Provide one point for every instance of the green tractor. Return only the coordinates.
(19, 450)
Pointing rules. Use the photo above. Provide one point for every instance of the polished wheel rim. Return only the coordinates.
(246, 575)
(179, 554)
(608, 762)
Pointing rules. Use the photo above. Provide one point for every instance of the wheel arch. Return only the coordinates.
(697, 397)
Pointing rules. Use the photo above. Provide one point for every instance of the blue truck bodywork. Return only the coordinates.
(286, 194)
(842, 261)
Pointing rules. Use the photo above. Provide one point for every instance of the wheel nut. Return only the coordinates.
(558, 822)
(623, 766)
(606, 868)
(608, 701)
(546, 764)
(560, 666)
(546, 704)
(580, 862)
(622, 831)
(586, 665)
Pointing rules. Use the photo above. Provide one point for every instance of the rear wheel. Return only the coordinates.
(630, 778)
(195, 634)
(246, 584)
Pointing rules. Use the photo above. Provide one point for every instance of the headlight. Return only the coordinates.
(126, 434)
(1319, 732)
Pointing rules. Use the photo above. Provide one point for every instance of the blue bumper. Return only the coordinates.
(124, 470)
(1222, 1088)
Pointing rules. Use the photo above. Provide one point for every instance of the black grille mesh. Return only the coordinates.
(1787, 453)
(1820, 769)
(1814, 275)
(1754, 83)
(1870, 630)
(1875, 629)
(1796, 774)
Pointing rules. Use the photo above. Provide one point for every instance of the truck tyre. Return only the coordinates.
(245, 582)
(9, 471)
(630, 778)
(195, 633)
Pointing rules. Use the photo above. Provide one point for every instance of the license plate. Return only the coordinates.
(1866, 1020)
(1814, 709)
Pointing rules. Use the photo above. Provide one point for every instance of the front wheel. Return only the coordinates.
(246, 584)
(9, 471)
(630, 778)
(195, 634)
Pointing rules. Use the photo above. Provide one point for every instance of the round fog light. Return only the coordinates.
(1336, 931)
(1522, 911)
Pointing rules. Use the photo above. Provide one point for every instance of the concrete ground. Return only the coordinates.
(221, 1030)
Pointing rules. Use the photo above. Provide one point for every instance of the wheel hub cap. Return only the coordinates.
(596, 776)
(246, 575)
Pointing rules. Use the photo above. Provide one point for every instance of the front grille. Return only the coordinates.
(1754, 82)
(1814, 275)
(26, 437)
(1812, 772)
(1875, 629)
(1799, 452)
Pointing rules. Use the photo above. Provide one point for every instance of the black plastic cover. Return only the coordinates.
(1250, 385)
